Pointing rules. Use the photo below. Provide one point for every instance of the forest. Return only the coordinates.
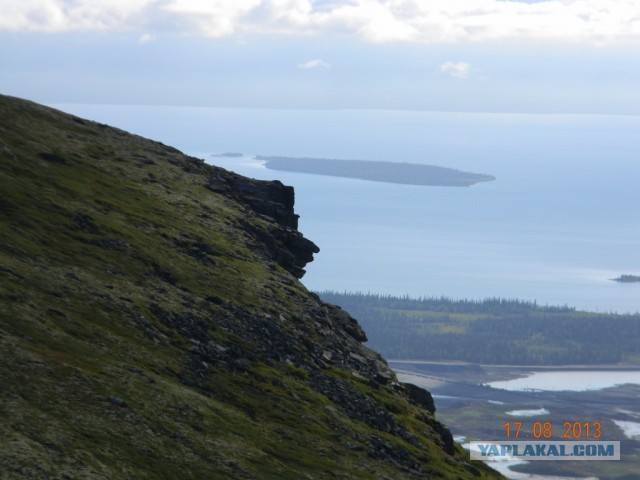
(491, 331)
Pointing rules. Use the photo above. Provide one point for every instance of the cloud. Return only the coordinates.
(456, 69)
(146, 38)
(376, 21)
(316, 64)
(219, 18)
(69, 15)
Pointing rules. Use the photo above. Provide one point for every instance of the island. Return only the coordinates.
(228, 155)
(389, 172)
(627, 279)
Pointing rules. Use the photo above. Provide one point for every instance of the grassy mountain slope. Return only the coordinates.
(153, 326)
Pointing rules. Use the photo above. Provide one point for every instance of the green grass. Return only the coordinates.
(103, 301)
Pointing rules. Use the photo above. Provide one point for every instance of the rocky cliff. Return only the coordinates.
(154, 325)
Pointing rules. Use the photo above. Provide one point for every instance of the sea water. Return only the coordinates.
(560, 221)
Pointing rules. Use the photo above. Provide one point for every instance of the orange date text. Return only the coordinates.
(547, 430)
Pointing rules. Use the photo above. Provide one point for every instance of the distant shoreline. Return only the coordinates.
(594, 367)
(387, 172)
(627, 279)
(435, 373)
(227, 155)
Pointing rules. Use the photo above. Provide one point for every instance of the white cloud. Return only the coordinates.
(456, 69)
(316, 64)
(65, 15)
(146, 38)
(378, 21)
(217, 18)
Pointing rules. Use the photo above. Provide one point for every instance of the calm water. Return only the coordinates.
(575, 381)
(560, 221)
(630, 429)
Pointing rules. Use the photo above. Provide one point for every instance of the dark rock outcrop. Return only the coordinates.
(419, 396)
(274, 202)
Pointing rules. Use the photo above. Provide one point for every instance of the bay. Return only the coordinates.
(559, 222)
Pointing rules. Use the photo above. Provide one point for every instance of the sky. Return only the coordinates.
(533, 56)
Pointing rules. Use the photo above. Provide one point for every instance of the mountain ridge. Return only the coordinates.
(154, 325)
